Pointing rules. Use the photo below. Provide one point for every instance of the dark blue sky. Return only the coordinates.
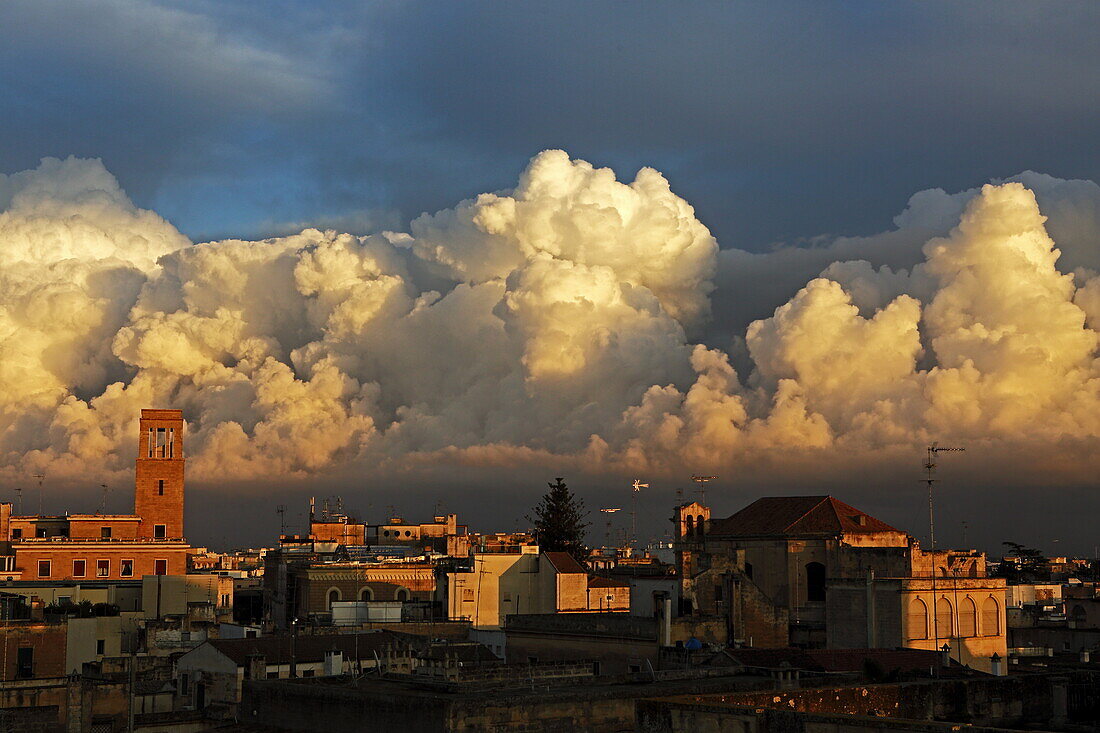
(778, 121)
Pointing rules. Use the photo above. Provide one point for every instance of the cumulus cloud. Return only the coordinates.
(559, 322)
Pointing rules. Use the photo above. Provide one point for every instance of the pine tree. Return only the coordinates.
(559, 522)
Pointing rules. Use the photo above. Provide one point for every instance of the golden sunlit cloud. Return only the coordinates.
(552, 323)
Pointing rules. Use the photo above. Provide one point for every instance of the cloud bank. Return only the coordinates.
(576, 320)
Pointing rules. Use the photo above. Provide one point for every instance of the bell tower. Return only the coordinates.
(158, 494)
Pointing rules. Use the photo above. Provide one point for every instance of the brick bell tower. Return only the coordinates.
(158, 494)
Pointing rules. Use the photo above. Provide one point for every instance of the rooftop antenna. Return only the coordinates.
(281, 511)
(40, 476)
(637, 486)
(607, 534)
(702, 481)
(929, 473)
(103, 501)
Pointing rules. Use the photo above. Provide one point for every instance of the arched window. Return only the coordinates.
(748, 570)
(918, 619)
(699, 527)
(689, 529)
(366, 594)
(968, 618)
(402, 594)
(1079, 615)
(944, 627)
(815, 582)
(333, 596)
(991, 617)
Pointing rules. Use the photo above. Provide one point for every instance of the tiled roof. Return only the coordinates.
(797, 515)
(305, 648)
(607, 583)
(564, 562)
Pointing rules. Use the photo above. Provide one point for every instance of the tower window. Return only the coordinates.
(160, 531)
(160, 442)
(105, 533)
(17, 533)
(160, 487)
(160, 567)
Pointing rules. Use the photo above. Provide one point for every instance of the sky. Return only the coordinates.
(482, 342)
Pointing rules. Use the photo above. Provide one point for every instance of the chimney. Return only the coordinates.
(996, 665)
(334, 663)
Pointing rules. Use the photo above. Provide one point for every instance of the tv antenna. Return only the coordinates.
(281, 511)
(929, 478)
(40, 476)
(607, 532)
(637, 486)
(702, 481)
(103, 501)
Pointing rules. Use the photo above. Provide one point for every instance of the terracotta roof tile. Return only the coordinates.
(798, 515)
(564, 562)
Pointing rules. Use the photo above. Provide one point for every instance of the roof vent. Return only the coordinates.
(861, 520)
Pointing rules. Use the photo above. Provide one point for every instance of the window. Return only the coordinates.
(160, 442)
(160, 531)
(273, 675)
(64, 600)
(366, 594)
(79, 568)
(815, 582)
(126, 568)
(333, 597)
(185, 684)
(160, 567)
(402, 594)
(991, 617)
(160, 487)
(944, 627)
(968, 618)
(100, 646)
(308, 672)
(718, 592)
(40, 532)
(17, 533)
(689, 526)
(24, 663)
(102, 568)
(44, 569)
(918, 619)
(105, 533)
(748, 570)
(468, 595)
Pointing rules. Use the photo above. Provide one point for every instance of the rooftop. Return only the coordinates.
(304, 648)
(564, 562)
(798, 515)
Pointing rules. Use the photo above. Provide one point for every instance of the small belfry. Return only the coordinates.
(158, 490)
